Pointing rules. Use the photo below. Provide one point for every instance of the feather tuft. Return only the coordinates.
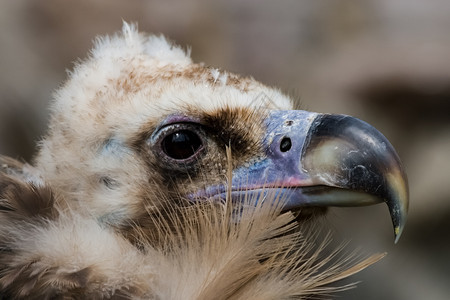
(202, 251)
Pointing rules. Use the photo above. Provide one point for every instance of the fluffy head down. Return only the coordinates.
(116, 98)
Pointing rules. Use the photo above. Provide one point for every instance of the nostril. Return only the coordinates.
(285, 144)
(289, 122)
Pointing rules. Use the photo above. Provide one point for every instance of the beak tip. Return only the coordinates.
(399, 225)
(399, 203)
(397, 232)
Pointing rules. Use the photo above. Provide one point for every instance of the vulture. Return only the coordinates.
(160, 178)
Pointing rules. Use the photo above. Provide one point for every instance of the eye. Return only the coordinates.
(181, 144)
(178, 146)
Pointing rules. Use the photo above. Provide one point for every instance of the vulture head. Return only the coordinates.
(139, 132)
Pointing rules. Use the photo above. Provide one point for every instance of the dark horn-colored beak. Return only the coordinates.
(349, 154)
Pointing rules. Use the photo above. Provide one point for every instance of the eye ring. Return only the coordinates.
(178, 146)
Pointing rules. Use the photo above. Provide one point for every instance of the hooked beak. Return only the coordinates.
(316, 160)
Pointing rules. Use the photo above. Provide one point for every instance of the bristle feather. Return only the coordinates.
(200, 251)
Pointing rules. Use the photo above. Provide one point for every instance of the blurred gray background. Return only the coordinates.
(384, 61)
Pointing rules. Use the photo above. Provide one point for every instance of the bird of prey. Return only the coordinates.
(160, 178)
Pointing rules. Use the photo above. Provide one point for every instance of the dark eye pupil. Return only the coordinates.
(181, 144)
